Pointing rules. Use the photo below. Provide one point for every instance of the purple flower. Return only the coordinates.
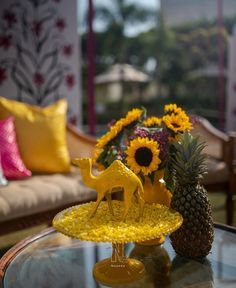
(139, 132)
(120, 156)
(162, 138)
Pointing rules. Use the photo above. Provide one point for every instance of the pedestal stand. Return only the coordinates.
(157, 221)
(118, 268)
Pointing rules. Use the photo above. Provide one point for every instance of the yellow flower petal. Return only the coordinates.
(115, 129)
(152, 121)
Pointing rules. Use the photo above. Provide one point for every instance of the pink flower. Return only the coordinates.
(3, 75)
(67, 50)
(10, 18)
(60, 24)
(38, 78)
(70, 80)
(37, 27)
(5, 41)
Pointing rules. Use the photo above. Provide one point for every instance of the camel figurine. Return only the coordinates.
(117, 175)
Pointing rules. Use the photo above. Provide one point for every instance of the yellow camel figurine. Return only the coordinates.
(117, 175)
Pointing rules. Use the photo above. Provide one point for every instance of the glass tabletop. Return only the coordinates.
(57, 261)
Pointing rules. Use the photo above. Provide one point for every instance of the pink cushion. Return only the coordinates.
(12, 164)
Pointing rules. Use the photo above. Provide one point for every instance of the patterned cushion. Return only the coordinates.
(12, 164)
(41, 193)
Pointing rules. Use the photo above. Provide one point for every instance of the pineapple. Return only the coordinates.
(194, 238)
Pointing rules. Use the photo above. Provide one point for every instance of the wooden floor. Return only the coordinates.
(217, 200)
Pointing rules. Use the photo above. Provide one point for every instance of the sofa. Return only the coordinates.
(35, 200)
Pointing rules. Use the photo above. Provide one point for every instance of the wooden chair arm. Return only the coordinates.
(217, 141)
(79, 143)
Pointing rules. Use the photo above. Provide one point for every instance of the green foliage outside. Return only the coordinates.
(176, 53)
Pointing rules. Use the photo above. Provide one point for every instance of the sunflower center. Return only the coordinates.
(175, 125)
(143, 156)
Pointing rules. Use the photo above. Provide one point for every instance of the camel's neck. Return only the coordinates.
(87, 176)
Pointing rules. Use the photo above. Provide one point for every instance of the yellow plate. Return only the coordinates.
(157, 220)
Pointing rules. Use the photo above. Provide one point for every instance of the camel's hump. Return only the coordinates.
(117, 165)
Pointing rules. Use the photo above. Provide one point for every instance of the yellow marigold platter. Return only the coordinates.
(157, 220)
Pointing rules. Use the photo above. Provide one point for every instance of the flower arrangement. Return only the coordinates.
(143, 143)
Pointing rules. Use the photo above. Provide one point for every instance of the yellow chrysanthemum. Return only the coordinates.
(178, 123)
(143, 155)
(172, 108)
(152, 121)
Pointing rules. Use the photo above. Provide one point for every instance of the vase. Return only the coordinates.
(156, 192)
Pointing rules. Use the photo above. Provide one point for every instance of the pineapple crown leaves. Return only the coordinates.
(188, 160)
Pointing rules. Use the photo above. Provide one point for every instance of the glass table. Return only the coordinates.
(52, 260)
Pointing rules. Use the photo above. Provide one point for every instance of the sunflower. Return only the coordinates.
(115, 129)
(152, 121)
(177, 123)
(131, 116)
(143, 155)
(110, 135)
(172, 108)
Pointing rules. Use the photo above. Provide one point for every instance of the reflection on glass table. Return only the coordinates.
(50, 259)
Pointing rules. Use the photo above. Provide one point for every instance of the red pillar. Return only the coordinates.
(221, 82)
(91, 65)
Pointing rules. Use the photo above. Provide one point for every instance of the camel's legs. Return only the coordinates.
(108, 197)
(100, 196)
(127, 202)
(141, 204)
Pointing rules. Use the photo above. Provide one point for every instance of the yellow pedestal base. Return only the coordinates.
(118, 269)
(156, 241)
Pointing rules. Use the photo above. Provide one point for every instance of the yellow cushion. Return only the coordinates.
(41, 134)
